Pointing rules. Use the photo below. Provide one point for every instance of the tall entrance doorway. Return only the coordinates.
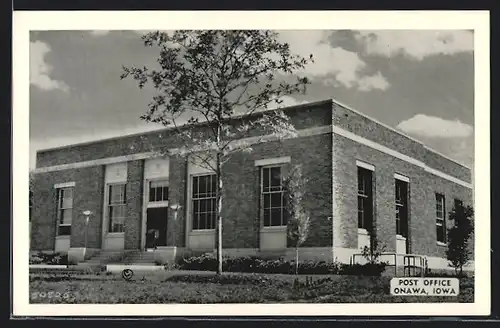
(156, 214)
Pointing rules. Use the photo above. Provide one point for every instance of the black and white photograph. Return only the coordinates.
(275, 164)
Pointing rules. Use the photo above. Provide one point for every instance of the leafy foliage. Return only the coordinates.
(207, 77)
(373, 252)
(250, 264)
(211, 76)
(298, 218)
(459, 252)
(49, 258)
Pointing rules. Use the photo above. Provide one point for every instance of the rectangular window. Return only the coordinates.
(158, 191)
(117, 207)
(401, 208)
(440, 218)
(204, 197)
(272, 193)
(64, 210)
(365, 199)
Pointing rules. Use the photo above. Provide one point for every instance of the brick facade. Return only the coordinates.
(328, 160)
(88, 195)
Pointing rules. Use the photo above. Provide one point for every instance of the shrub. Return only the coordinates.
(368, 269)
(204, 262)
(458, 252)
(49, 258)
(252, 264)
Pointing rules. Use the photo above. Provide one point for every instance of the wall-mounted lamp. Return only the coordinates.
(87, 214)
(175, 208)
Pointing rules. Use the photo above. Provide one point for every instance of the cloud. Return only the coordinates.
(376, 81)
(335, 65)
(40, 70)
(415, 44)
(431, 126)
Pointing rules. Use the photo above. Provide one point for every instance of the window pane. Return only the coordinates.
(117, 194)
(265, 178)
(66, 216)
(275, 176)
(285, 218)
(203, 186)
(117, 227)
(212, 220)
(360, 203)
(276, 217)
(159, 194)
(165, 194)
(267, 218)
(152, 194)
(203, 221)
(195, 187)
(361, 184)
(267, 200)
(440, 233)
(398, 228)
(212, 205)
(117, 212)
(64, 230)
(276, 199)
(66, 193)
(67, 203)
(204, 205)
(196, 224)
(360, 220)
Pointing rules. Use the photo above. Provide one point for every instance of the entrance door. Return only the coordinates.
(156, 214)
(402, 244)
(156, 227)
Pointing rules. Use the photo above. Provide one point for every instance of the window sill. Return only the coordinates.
(157, 204)
(115, 234)
(273, 228)
(441, 244)
(362, 231)
(202, 232)
(63, 237)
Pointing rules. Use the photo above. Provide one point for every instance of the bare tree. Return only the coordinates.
(209, 77)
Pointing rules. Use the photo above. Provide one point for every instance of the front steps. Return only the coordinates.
(129, 257)
(139, 258)
(102, 258)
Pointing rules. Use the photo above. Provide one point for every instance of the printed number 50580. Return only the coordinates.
(49, 295)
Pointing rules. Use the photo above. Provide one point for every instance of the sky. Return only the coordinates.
(419, 82)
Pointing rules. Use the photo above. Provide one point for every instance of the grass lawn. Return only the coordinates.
(169, 287)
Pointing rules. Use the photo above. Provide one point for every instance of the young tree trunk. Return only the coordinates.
(218, 227)
(296, 260)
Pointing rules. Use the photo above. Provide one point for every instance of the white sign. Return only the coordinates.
(425, 286)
